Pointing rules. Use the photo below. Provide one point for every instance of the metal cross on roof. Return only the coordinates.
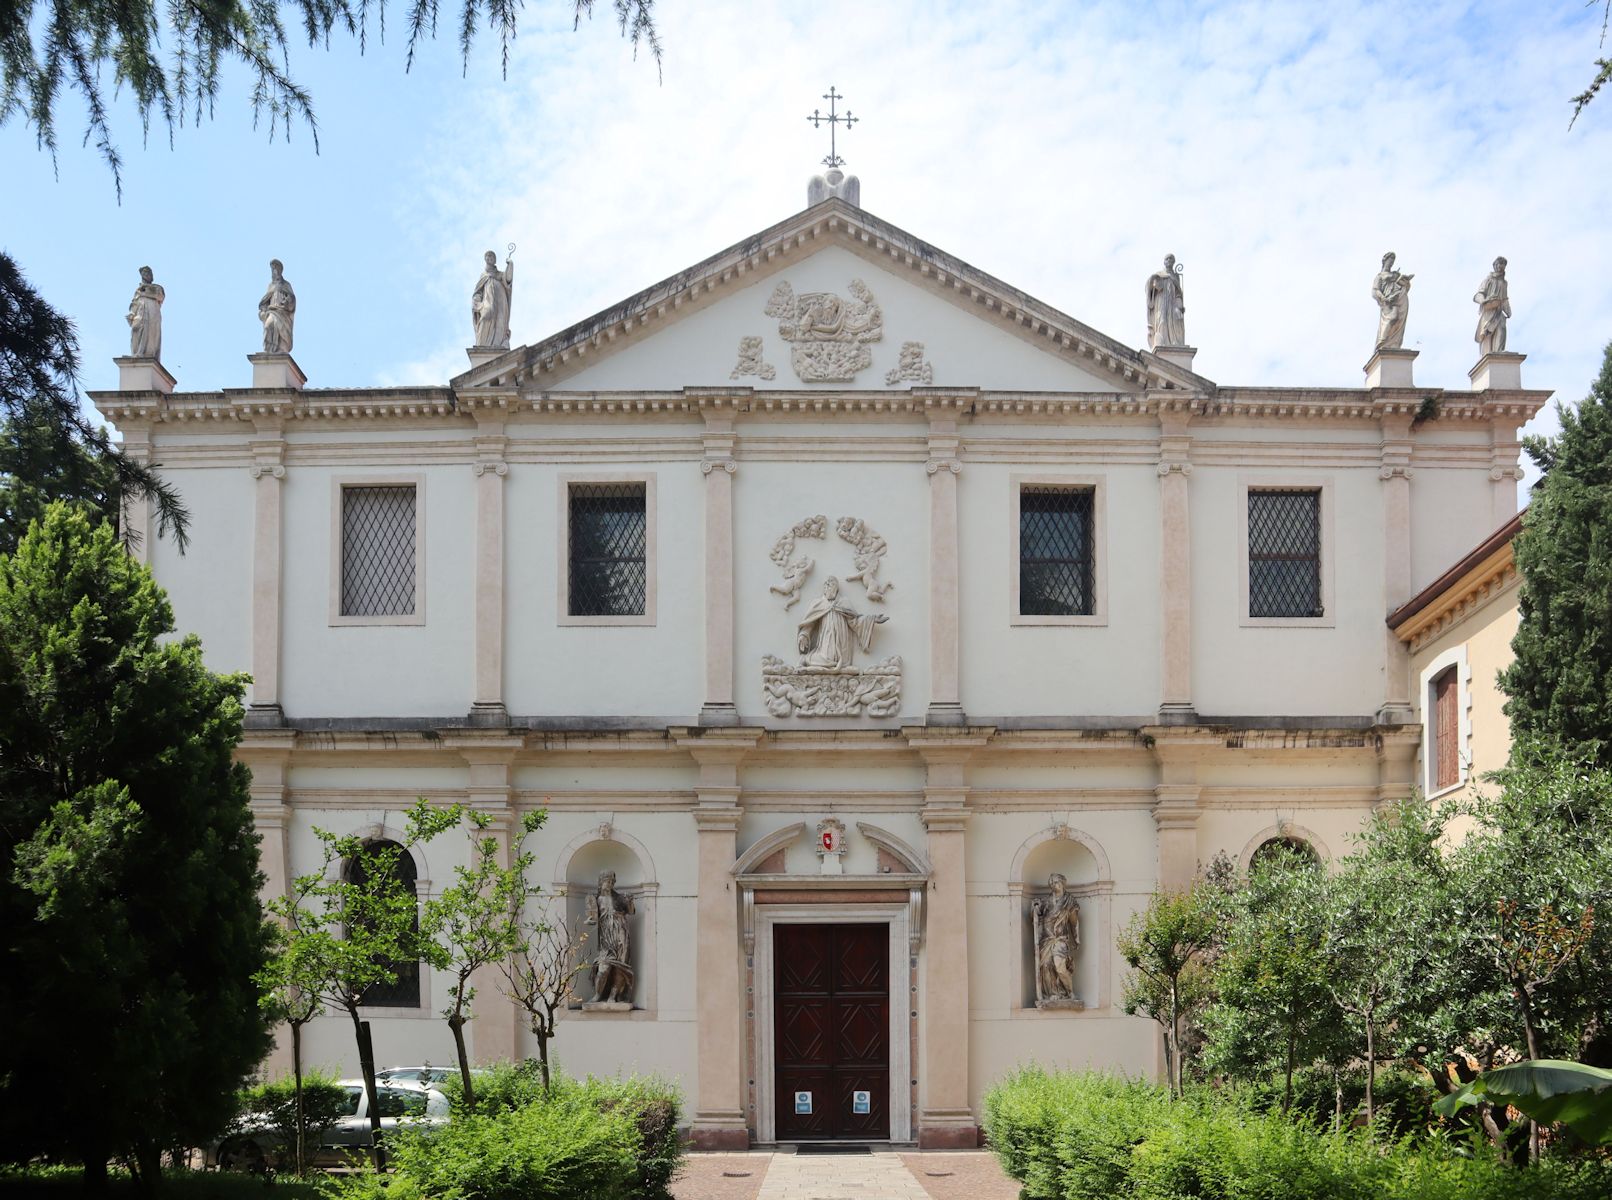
(833, 120)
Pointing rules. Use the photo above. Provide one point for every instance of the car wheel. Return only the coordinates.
(244, 1155)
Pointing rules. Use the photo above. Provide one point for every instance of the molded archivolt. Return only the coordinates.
(1062, 848)
(1281, 830)
(576, 873)
(765, 847)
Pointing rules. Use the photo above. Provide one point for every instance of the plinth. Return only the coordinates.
(1179, 356)
(278, 372)
(480, 355)
(609, 1006)
(1499, 370)
(144, 375)
(1390, 368)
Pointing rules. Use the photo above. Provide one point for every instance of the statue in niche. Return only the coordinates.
(1166, 307)
(1391, 291)
(831, 632)
(277, 310)
(145, 318)
(1057, 939)
(612, 964)
(489, 303)
(1494, 307)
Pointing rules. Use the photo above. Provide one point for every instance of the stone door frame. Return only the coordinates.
(897, 915)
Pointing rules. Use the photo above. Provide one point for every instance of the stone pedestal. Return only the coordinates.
(144, 375)
(276, 371)
(480, 355)
(1500, 370)
(1057, 1003)
(606, 1006)
(1177, 356)
(1390, 369)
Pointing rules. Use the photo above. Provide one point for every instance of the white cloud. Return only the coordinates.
(1277, 148)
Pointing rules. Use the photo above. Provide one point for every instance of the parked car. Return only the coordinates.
(425, 1076)
(253, 1145)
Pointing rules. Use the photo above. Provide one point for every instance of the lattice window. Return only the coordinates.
(1284, 553)
(377, 551)
(608, 574)
(1056, 552)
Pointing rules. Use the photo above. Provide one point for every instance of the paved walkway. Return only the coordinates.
(761, 1175)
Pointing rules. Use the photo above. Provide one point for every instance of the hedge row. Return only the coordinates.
(606, 1139)
(1094, 1137)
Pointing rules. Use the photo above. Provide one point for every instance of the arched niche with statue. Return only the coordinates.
(582, 865)
(1060, 925)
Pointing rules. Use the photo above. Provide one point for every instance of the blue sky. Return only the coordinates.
(1276, 148)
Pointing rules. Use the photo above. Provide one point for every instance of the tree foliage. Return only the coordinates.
(170, 55)
(49, 450)
(128, 864)
(1560, 682)
(1603, 67)
(1167, 947)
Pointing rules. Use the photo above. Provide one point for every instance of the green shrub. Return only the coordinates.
(606, 1139)
(324, 1102)
(1092, 1137)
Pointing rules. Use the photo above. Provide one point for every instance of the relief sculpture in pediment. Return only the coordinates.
(828, 334)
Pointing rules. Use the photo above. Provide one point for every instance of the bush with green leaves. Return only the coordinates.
(610, 1139)
(1091, 1137)
(273, 1104)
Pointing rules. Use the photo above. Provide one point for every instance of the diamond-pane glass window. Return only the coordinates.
(377, 551)
(1284, 553)
(607, 572)
(1055, 552)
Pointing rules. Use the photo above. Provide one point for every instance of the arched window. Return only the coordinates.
(405, 993)
(1294, 849)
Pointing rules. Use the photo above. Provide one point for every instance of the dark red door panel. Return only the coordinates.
(832, 1030)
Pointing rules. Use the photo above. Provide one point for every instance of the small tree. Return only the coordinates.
(540, 972)
(476, 922)
(1166, 946)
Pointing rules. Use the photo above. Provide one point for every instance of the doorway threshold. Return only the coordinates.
(833, 1148)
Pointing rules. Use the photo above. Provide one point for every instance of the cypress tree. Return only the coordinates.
(129, 905)
(1560, 683)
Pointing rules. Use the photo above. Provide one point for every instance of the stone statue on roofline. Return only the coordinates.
(1166, 307)
(489, 303)
(277, 310)
(145, 318)
(1494, 309)
(608, 910)
(1391, 290)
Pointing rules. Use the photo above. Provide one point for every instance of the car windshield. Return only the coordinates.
(354, 1095)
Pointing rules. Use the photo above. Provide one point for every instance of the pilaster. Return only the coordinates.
(1395, 473)
(487, 707)
(1175, 568)
(489, 790)
(268, 470)
(267, 755)
(718, 466)
(1505, 471)
(1176, 808)
(136, 516)
(945, 1118)
(945, 696)
(719, 1117)
(1396, 763)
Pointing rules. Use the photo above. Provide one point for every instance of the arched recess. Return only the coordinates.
(373, 834)
(1083, 862)
(576, 876)
(1282, 831)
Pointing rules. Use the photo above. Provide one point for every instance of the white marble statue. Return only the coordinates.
(1391, 291)
(1494, 307)
(1166, 307)
(489, 303)
(145, 318)
(612, 961)
(831, 632)
(277, 310)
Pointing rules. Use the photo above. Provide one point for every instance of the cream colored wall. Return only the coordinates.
(210, 586)
(1450, 513)
(1485, 634)
(702, 348)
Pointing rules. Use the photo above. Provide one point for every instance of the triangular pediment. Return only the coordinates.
(832, 299)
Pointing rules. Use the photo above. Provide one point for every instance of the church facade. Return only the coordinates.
(888, 635)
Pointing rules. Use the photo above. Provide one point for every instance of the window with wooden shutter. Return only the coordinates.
(1446, 730)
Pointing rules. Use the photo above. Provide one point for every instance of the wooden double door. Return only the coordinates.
(832, 1031)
